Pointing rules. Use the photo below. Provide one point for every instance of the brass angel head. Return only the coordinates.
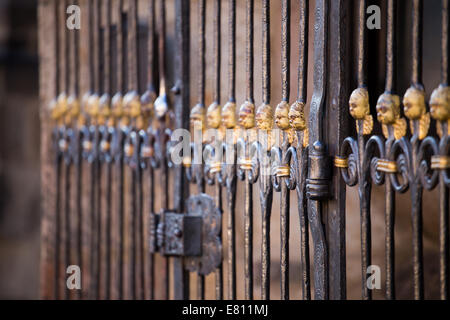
(213, 116)
(132, 105)
(117, 106)
(58, 107)
(247, 115)
(359, 103)
(229, 115)
(161, 106)
(440, 103)
(105, 109)
(197, 117)
(264, 117)
(414, 103)
(93, 106)
(388, 108)
(282, 115)
(148, 103)
(74, 109)
(297, 118)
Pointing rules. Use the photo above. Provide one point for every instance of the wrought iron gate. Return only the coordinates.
(116, 167)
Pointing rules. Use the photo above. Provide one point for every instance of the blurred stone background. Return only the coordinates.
(19, 150)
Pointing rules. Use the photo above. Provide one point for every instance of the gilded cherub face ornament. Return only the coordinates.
(388, 108)
(213, 116)
(359, 103)
(229, 115)
(197, 117)
(264, 117)
(414, 102)
(247, 115)
(440, 103)
(282, 115)
(296, 115)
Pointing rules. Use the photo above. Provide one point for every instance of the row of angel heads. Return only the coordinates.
(134, 110)
(389, 114)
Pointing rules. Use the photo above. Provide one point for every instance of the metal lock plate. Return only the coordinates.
(194, 235)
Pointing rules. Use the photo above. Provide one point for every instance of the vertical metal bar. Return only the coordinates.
(265, 114)
(149, 97)
(132, 222)
(65, 246)
(247, 110)
(57, 156)
(285, 192)
(416, 188)
(391, 60)
(164, 176)
(231, 178)
(201, 104)
(317, 184)
(364, 186)
(117, 286)
(182, 34)
(104, 225)
(302, 150)
(443, 189)
(216, 93)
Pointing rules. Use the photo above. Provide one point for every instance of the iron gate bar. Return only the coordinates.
(212, 108)
(198, 124)
(182, 95)
(64, 245)
(415, 185)
(161, 110)
(148, 100)
(317, 181)
(230, 178)
(55, 110)
(264, 119)
(67, 249)
(117, 150)
(281, 120)
(364, 127)
(297, 122)
(443, 146)
(247, 123)
(385, 101)
(105, 156)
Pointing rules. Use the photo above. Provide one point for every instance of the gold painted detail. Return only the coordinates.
(187, 162)
(387, 166)
(340, 162)
(388, 113)
(440, 162)
(282, 171)
(246, 164)
(128, 149)
(360, 109)
(415, 110)
(215, 167)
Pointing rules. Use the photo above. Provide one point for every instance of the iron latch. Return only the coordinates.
(194, 235)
